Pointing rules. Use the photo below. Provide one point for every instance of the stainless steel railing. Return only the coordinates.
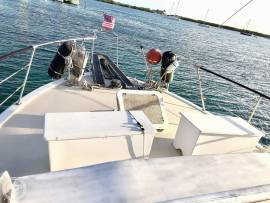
(27, 67)
(260, 95)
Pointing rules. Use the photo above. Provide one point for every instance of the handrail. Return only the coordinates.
(65, 40)
(5, 100)
(26, 75)
(43, 44)
(10, 76)
(200, 88)
(234, 82)
(34, 48)
(261, 95)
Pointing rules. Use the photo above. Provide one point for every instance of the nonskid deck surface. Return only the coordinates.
(24, 151)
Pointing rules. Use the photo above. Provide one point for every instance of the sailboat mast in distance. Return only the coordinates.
(246, 26)
(206, 15)
(245, 29)
(177, 7)
(172, 8)
(202, 22)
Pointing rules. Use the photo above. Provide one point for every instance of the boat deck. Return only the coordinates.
(24, 151)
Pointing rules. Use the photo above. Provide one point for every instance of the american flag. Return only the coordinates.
(108, 22)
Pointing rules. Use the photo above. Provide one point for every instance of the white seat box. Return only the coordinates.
(87, 138)
(200, 134)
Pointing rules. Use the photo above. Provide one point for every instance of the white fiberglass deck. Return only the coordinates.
(24, 151)
(219, 178)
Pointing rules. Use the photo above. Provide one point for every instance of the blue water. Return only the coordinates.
(244, 59)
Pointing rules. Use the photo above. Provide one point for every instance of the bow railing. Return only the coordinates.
(27, 67)
(259, 98)
(259, 94)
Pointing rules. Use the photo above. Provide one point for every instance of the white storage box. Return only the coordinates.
(87, 138)
(199, 134)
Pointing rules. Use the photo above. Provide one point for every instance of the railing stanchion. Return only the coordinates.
(92, 55)
(117, 51)
(21, 88)
(26, 75)
(117, 48)
(92, 51)
(200, 87)
(254, 109)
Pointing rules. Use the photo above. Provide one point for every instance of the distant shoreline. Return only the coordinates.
(162, 12)
(225, 27)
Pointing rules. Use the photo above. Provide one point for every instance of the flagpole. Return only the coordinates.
(93, 47)
(109, 23)
(117, 50)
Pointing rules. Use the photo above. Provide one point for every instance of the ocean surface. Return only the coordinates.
(244, 59)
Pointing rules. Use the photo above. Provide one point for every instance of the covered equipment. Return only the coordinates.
(168, 65)
(61, 60)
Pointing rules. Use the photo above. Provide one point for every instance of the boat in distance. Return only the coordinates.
(75, 2)
(94, 134)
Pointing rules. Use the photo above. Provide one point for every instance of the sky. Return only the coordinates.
(258, 12)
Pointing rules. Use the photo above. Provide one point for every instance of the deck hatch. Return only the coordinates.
(150, 102)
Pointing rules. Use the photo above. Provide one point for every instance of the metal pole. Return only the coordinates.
(69, 76)
(65, 40)
(254, 109)
(93, 47)
(92, 54)
(146, 64)
(200, 87)
(26, 75)
(117, 51)
(143, 144)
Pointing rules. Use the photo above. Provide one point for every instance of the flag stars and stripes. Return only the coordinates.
(108, 22)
